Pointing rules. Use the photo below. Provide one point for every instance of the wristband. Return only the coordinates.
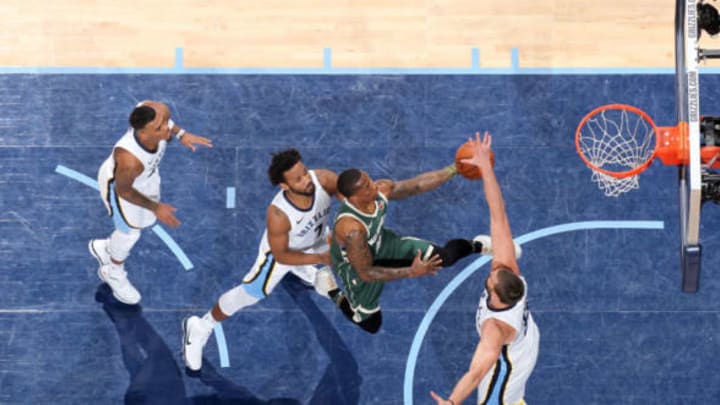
(452, 171)
(180, 134)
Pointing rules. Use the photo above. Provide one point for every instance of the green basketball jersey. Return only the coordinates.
(363, 296)
(373, 225)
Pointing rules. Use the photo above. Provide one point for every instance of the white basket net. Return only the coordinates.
(617, 140)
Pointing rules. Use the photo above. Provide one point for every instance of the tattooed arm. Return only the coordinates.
(351, 234)
(417, 185)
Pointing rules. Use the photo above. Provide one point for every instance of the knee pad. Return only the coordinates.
(120, 243)
(324, 281)
(236, 299)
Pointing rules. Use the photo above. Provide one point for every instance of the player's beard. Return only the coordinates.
(307, 192)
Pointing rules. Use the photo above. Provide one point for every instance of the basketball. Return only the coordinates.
(465, 151)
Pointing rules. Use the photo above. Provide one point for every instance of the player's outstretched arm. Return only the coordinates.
(500, 234)
(486, 354)
(187, 139)
(419, 184)
(328, 180)
(190, 140)
(352, 235)
(278, 228)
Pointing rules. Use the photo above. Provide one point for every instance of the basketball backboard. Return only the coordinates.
(619, 141)
(687, 95)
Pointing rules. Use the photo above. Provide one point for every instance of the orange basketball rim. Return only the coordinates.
(621, 141)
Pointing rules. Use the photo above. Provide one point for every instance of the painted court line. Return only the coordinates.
(475, 55)
(230, 197)
(173, 246)
(515, 58)
(159, 231)
(327, 69)
(541, 71)
(222, 346)
(179, 58)
(474, 266)
(60, 169)
(327, 59)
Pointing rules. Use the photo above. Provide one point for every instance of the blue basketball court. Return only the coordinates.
(603, 273)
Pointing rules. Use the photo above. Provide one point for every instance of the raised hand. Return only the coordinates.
(482, 151)
(190, 140)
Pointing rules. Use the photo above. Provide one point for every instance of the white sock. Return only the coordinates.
(209, 319)
(116, 269)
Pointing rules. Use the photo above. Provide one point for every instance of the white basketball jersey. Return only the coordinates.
(505, 382)
(148, 182)
(308, 228)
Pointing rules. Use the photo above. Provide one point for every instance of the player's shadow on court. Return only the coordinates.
(340, 383)
(156, 378)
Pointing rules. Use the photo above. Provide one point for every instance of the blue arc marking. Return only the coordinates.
(474, 266)
(60, 169)
(159, 231)
(222, 345)
(173, 246)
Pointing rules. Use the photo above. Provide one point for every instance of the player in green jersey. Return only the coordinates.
(365, 254)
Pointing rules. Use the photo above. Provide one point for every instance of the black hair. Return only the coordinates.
(509, 287)
(282, 162)
(140, 116)
(347, 182)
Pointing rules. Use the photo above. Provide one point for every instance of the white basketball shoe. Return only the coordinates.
(99, 249)
(486, 242)
(116, 277)
(196, 332)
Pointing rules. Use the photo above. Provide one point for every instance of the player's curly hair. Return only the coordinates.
(509, 287)
(141, 116)
(282, 162)
(347, 182)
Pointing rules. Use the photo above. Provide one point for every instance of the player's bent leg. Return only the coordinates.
(120, 244)
(399, 251)
(197, 331)
(236, 299)
(407, 248)
(396, 249)
(454, 250)
(118, 249)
